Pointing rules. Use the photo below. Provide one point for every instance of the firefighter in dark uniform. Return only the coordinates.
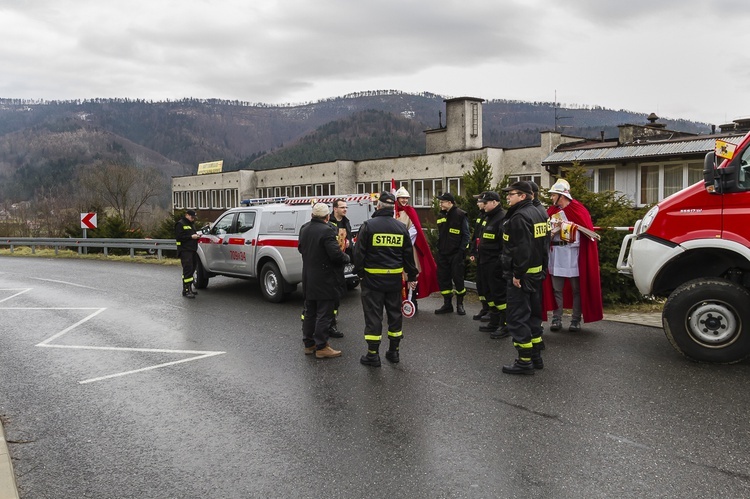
(382, 253)
(524, 237)
(537, 314)
(491, 275)
(453, 241)
(187, 247)
(483, 314)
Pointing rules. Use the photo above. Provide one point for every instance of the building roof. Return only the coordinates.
(643, 149)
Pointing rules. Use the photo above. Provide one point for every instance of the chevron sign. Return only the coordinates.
(88, 220)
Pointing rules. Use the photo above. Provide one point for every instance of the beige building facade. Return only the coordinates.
(450, 153)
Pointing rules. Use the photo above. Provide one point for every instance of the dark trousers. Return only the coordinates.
(493, 284)
(518, 315)
(373, 303)
(189, 261)
(318, 318)
(450, 273)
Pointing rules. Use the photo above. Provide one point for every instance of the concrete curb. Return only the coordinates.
(8, 487)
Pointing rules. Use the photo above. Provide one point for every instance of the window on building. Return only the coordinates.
(418, 194)
(474, 119)
(288, 191)
(649, 184)
(331, 189)
(309, 190)
(277, 192)
(673, 179)
(202, 201)
(230, 195)
(318, 190)
(606, 178)
(437, 189)
(189, 199)
(361, 188)
(177, 200)
(454, 186)
(694, 173)
(217, 198)
(297, 191)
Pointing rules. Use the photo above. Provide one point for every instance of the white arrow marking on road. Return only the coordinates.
(198, 354)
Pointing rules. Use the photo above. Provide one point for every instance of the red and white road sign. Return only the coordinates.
(88, 220)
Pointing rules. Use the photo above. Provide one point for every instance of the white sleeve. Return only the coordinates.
(413, 233)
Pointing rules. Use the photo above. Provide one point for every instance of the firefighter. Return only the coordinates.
(490, 274)
(187, 246)
(483, 314)
(537, 308)
(382, 253)
(524, 244)
(453, 241)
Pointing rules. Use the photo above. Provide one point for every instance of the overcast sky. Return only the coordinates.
(679, 58)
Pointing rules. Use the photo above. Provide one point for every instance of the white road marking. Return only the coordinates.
(197, 354)
(22, 291)
(64, 282)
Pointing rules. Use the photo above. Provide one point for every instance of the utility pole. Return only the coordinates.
(557, 117)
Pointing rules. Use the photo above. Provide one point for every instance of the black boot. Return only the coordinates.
(460, 310)
(370, 359)
(447, 307)
(392, 354)
(536, 358)
(494, 323)
(192, 288)
(523, 364)
(186, 291)
(519, 367)
(502, 327)
(485, 310)
(333, 331)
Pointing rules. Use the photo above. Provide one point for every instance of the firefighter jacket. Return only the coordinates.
(477, 234)
(383, 251)
(453, 231)
(183, 234)
(322, 261)
(524, 242)
(539, 206)
(491, 239)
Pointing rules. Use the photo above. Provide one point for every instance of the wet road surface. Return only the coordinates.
(114, 385)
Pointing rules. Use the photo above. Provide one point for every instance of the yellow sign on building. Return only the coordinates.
(210, 167)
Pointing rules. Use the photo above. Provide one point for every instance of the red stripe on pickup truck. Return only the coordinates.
(284, 243)
(236, 240)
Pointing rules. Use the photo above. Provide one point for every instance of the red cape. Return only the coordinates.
(428, 283)
(588, 269)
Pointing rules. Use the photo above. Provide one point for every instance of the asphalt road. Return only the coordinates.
(114, 386)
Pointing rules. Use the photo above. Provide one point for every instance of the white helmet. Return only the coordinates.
(561, 187)
(402, 193)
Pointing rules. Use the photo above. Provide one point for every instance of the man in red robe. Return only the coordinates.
(427, 281)
(577, 283)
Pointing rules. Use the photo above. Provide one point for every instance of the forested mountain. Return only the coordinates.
(46, 143)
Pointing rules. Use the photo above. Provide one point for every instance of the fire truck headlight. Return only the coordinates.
(647, 220)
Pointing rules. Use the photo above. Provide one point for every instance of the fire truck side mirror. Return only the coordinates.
(709, 172)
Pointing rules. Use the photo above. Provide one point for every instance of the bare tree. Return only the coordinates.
(125, 188)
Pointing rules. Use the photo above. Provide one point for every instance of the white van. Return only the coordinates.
(260, 241)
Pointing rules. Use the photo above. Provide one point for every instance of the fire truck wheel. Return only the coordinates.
(708, 320)
(201, 276)
(272, 283)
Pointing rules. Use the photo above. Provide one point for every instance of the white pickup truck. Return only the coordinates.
(259, 241)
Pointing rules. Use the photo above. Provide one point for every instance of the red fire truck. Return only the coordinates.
(694, 249)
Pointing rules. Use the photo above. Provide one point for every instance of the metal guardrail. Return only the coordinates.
(151, 245)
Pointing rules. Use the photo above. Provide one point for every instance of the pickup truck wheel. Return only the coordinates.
(272, 283)
(708, 320)
(201, 276)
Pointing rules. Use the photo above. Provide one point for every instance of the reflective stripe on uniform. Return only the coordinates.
(454, 231)
(540, 229)
(462, 292)
(447, 292)
(372, 337)
(385, 271)
(488, 235)
(441, 220)
(395, 334)
(534, 270)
